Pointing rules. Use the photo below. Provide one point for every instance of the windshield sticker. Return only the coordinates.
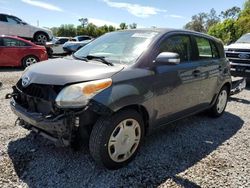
(144, 35)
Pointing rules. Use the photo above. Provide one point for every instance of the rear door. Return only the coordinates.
(209, 62)
(17, 28)
(177, 86)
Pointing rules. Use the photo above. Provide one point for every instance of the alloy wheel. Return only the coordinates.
(30, 60)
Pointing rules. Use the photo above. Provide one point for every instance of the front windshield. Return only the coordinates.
(244, 39)
(118, 47)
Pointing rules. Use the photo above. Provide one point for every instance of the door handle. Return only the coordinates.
(196, 73)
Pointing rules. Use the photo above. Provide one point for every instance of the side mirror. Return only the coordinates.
(168, 58)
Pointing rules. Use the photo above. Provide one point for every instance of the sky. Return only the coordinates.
(145, 13)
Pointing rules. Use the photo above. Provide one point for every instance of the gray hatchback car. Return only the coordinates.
(120, 87)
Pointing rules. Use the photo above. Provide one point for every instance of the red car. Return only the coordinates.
(15, 51)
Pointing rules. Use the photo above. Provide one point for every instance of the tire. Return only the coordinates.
(41, 38)
(29, 60)
(123, 133)
(221, 102)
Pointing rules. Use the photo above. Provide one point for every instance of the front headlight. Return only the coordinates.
(78, 95)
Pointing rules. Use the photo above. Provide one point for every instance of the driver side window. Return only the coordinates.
(178, 44)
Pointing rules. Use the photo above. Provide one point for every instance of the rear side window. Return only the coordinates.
(206, 49)
(12, 20)
(9, 42)
(178, 44)
(62, 41)
(3, 18)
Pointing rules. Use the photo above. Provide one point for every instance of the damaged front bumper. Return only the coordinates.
(59, 129)
(238, 85)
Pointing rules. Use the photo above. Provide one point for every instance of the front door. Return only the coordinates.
(177, 86)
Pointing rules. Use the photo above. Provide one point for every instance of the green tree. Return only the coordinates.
(226, 31)
(231, 13)
(123, 26)
(133, 26)
(66, 30)
(197, 23)
(203, 21)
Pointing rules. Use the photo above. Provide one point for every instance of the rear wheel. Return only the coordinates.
(29, 60)
(221, 102)
(115, 140)
(41, 38)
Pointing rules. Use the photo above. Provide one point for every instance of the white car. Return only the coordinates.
(11, 25)
(56, 45)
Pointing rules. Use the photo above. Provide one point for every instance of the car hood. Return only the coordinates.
(238, 46)
(68, 70)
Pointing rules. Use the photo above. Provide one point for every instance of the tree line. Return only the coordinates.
(70, 30)
(228, 25)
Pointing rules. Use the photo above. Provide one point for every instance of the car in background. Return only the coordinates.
(77, 43)
(56, 45)
(82, 38)
(238, 54)
(12, 25)
(16, 52)
(71, 47)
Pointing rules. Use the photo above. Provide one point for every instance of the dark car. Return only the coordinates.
(16, 52)
(120, 87)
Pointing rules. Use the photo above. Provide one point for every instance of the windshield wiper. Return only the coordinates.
(80, 58)
(103, 60)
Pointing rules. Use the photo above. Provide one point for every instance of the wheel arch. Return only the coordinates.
(141, 110)
(37, 32)
(228, 85)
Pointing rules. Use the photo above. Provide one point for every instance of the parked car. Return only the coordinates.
(82, 38)
(78, 42)
(56, 45)
(15, 51)
(238, 54)
(12, 25)
(120, 87)
(72, 46)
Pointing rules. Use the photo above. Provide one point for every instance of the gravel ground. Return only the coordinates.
(195, 152)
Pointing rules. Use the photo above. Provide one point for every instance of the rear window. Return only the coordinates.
(9, 42)
(206, 48)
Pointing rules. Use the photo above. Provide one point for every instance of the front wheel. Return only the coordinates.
(221, 103)
(115, 140)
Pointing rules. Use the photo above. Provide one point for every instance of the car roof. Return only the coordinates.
(163, 31)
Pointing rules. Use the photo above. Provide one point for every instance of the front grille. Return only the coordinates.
(41, 91)
(238, 50)
(37, 97)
